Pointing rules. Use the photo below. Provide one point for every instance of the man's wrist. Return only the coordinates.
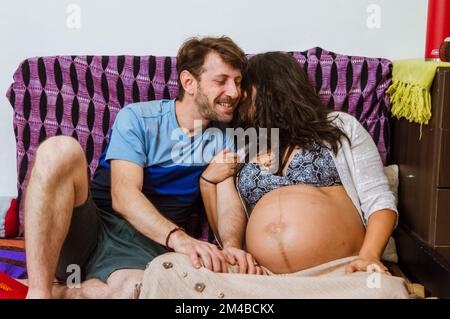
(231, 244)
(176, 238)
(171, 233)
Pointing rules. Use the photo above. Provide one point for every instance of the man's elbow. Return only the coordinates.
(118, 200)
(115, 202)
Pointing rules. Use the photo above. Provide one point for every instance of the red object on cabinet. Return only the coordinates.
(438, 26)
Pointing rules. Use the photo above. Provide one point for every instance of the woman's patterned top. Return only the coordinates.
(314, 168)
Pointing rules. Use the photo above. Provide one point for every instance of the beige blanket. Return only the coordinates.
(172, 276)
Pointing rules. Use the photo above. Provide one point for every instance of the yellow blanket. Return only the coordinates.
(410, 89)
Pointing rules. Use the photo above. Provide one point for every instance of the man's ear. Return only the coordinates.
(188, 82)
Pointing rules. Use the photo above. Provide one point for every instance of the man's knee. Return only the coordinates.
(59, 154)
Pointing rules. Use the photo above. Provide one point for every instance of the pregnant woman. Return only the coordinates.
(327, 199)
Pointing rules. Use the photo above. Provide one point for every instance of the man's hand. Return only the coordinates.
(201, 253)
(367, 265)
(222, 166)
(247, 264)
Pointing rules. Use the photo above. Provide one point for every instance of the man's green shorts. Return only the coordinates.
(100, 242)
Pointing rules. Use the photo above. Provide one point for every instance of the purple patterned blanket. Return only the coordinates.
(80, 96)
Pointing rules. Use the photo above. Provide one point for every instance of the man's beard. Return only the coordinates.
(207, 109)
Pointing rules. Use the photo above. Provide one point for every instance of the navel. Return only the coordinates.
(275, 231)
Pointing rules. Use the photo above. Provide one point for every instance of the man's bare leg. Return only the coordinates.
(57, 184)
(120, 285)
(90, 289)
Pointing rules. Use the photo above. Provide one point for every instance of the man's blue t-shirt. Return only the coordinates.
(148, 134)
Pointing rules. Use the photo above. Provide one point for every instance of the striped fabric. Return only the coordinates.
(12, 258)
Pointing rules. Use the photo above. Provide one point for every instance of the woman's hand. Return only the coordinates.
(379, 229)
(367, 264)
(247, 264)
(199, 252)
(222, 166)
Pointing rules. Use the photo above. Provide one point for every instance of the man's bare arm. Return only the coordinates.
(209, 195)
(221, 167)
(128, 200)
(232, 220)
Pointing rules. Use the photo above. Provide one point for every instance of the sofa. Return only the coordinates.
(80, 96)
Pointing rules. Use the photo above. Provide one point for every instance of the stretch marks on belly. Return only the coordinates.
(275, 230)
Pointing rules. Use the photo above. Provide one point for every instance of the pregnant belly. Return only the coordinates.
(298, 227)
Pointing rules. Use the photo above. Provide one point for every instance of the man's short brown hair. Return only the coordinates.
(192, 53)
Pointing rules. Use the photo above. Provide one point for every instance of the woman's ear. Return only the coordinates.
(188, 82)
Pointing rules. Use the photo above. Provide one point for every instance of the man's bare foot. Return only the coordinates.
(59, 291)
(36, 294)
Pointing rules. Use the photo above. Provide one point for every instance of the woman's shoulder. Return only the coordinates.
(343, 116)
(345, 121)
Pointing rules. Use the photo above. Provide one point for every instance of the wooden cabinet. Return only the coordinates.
(424, 187)
(424, 166)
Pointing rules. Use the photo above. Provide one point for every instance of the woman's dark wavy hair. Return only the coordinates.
(286, 100)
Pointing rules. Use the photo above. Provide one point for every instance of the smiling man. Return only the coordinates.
(140, 199)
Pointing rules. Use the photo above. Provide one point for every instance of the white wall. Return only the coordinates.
(39, 27)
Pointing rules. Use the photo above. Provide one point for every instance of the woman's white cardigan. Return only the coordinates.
(361, 169)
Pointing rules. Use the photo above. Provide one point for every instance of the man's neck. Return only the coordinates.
(188, 116)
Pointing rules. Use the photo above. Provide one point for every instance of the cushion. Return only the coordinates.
(391, 172)
(10, 288)
(80, 96)
(9, 221)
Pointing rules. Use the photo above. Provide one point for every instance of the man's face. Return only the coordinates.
(218, 89)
